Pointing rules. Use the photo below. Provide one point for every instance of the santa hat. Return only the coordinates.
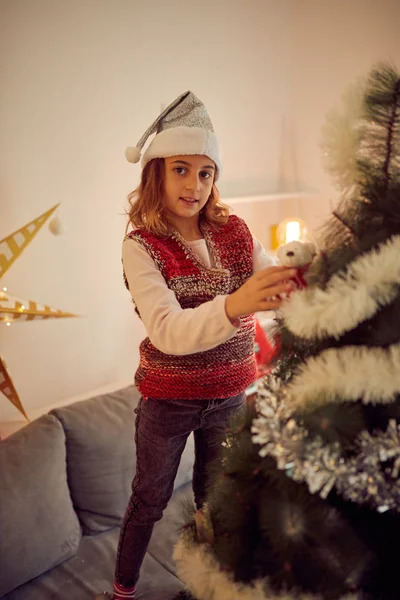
(184, 127)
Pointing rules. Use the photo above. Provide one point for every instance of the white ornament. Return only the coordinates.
(56, 226)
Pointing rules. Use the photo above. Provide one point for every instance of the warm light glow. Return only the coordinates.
(8, 323)
(291, 230)
(4, 289)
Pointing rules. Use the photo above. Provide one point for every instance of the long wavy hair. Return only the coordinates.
(146, 209)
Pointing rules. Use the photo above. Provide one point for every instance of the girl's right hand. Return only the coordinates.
(257, 293)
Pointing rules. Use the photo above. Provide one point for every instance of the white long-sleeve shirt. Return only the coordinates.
(172, 329)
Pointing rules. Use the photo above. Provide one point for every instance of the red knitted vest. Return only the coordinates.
(221, 372)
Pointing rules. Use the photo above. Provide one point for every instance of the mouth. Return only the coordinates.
(187, 200)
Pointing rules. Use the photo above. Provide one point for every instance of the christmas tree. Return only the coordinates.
(306, 501)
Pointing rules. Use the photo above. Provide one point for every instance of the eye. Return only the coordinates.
(205, 175)
(180, 170)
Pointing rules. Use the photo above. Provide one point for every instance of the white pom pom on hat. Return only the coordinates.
(184, 127)
(133, 154)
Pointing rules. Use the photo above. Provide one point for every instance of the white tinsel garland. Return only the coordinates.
(341, 134)
(356, 137)
(346, 374)
(199, 570)
(370, 282)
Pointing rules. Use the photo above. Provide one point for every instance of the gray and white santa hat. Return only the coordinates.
(184, 127)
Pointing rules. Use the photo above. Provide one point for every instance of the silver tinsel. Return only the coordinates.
(368, 476)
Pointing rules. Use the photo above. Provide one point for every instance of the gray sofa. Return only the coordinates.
(64, 486)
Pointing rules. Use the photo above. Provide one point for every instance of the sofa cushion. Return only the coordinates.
(38, 526)
(101, 457)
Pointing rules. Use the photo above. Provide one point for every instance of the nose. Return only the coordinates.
(192, 182)
(290, 253)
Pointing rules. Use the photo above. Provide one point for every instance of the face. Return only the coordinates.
(187, 187)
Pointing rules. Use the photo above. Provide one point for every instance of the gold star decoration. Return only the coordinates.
(13, 309)
(12, 246)
(7, 388)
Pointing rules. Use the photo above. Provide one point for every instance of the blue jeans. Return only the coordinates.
(162, 428)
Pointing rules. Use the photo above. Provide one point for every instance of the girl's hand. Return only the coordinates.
(257, 293)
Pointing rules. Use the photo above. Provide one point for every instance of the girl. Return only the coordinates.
(196, 276)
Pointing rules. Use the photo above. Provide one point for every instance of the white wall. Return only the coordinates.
(80, 81)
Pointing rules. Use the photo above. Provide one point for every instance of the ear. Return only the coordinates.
(311, 247)
(280, 253)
